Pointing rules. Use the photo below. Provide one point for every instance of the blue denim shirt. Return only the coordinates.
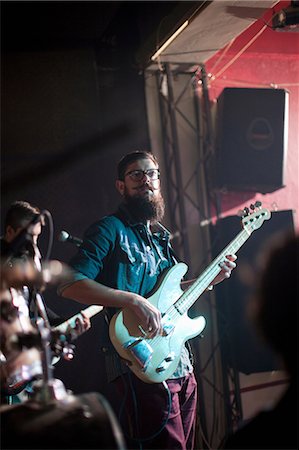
(124, 254)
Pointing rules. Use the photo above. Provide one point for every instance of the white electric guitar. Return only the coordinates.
(19, 368)
(70, 324)
(155, 360)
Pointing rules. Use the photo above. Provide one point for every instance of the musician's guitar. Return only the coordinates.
(155, 360)
(21, 367)
(69, 326)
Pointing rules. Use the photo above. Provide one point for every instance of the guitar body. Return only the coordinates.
(155, 360)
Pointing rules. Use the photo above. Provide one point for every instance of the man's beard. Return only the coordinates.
(146, 208)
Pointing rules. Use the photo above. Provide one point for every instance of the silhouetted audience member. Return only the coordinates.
(275, 310)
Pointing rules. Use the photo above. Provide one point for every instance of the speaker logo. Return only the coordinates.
(259, 134)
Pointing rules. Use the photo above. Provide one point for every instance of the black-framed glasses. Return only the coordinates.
(137, 175)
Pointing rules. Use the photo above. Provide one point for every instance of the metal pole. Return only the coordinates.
(177, 163)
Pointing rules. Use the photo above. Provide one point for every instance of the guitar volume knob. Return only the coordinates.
(170, 357)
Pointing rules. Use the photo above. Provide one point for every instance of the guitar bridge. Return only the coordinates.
(141, 351)
(167, 325)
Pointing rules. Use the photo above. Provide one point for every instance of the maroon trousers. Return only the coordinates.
(144, 415)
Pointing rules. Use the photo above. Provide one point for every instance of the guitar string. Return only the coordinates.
(209, 274)
(234, 246)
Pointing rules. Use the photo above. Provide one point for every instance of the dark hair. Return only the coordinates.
(129, 158)
(19, 214)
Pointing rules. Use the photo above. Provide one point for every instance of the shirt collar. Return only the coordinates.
(157, 228)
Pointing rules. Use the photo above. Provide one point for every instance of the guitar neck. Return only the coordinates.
(190, 296)
(89, 312)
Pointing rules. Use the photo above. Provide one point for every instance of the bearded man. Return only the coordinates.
(119, 263)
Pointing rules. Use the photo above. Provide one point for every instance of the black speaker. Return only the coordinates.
(240, 343)
(252, 130)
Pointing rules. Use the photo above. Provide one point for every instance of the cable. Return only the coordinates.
(226, 66)
(228, 46)
(166, 419)
(266, 25)
(243, 83)
(122, 405)
(140, 440)
(51, 233)
(135, 410)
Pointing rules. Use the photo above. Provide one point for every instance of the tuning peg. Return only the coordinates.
(243, 212)
(252, 207)
(258, 204)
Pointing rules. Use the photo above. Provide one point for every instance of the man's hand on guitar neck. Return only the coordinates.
(227, 266)
(82, 324)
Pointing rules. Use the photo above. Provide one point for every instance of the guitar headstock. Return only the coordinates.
(253, 220)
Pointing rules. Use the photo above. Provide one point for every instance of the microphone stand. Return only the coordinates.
(48, 389)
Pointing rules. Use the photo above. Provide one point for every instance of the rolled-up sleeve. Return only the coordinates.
(88, 262)
(98, 242)
(71, 279)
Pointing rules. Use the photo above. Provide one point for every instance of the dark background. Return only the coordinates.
(72, 104)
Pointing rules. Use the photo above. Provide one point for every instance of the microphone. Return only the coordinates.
(64, 236)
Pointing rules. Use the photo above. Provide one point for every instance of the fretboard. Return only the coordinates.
(204, 280)
(89, 312)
